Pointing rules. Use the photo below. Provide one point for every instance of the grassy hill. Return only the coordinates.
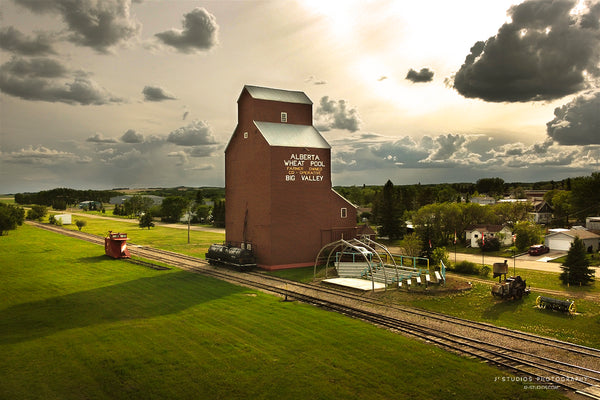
(75, 324)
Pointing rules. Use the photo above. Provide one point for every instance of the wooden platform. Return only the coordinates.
(354, 283)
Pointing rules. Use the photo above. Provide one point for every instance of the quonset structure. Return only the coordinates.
(279, 199)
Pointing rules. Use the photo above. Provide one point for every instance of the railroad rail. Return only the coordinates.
(538, 362)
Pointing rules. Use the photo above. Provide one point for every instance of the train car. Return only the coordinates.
(115, 245)
(227, 254)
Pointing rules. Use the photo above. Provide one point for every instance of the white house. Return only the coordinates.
(592, 223)
(562, 240)
(483, 200)
(476, 232)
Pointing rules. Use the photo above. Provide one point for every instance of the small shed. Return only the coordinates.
(65, 219)
(115, 245)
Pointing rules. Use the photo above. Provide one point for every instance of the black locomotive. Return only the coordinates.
(228, 254)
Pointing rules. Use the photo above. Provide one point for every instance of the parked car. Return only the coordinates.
(538, 249)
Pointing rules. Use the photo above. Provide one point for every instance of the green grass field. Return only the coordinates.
(478, 304)
(75, 324)
(158, 237)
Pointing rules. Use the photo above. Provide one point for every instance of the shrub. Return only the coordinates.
(485, 271)
(80, 223)
(466, 267)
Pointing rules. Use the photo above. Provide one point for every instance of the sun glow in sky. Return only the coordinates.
(407, 91)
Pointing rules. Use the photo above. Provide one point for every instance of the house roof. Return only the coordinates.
(286, 96)
(291, 135)
(581, 233)
(486, 228)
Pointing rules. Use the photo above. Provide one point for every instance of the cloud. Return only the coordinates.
(197, 133)
(459, 153)
(424, 75)
(181, 155)
(99, 138)
(13, 40)
(155, 93)
(96, 24)
(315, 81)
(577, 122)
(545, 52)
(45, 79)
(200, 32)
(39, 155)
(132, 136)
(336, 115)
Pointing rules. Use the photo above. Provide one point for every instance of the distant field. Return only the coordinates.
(75, 324)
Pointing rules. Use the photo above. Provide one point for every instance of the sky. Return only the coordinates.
(119, 93)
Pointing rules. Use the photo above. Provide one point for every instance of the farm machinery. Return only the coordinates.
(509, 288)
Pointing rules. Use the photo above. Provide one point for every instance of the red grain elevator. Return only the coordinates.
(278, 193)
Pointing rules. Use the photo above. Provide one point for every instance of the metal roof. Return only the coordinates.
(291, 135)
(286, 96)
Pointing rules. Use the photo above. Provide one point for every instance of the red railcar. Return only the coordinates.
(115, 245)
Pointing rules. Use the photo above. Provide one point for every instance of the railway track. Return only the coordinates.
(537, 361)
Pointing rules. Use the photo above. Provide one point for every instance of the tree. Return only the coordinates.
(576, 268)
(412, 245)
(219, 214)
(11, 216)
(173, 207)
(586, 196)
(491, 186)
(36, 212)
(146, 220)
(389, 213)
(527, 233)
(80, 223)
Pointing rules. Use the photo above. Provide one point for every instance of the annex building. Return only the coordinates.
(279, 198)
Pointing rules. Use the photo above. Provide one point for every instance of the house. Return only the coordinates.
(476, 232)
(592, 223)
(535, 196)
(483, 200)
(278, 182)
(542, 213)
(562, 240)
(90, 205)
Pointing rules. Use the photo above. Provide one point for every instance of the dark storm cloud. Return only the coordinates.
(336, 115)
(132, 136)
(424, 75)
(13, 40)
(197, 133)
(577, 122)
(200, 31)
(544, 53)
(45, 79)
(34, 68)
(155, 93)
(91, 23)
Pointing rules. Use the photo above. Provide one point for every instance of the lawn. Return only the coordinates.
(75, 324)
(478, 304)
(158, 237)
